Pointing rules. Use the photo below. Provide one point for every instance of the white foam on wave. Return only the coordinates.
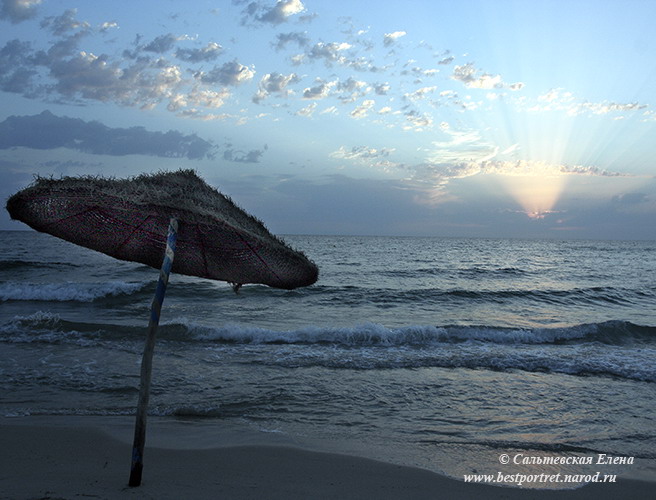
(359, 347)
(375, 334)
(372, 346)
(69, 291)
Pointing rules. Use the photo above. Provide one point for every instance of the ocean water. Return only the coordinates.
(438, 353)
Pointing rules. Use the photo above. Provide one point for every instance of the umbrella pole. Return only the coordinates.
(147, 360)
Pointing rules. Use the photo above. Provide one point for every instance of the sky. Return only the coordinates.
(447, 118)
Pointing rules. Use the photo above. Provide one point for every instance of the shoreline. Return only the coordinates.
(58, 457)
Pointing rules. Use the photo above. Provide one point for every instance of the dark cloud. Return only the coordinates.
(252, 156)
(335, 204)
(161, 44)
(47, 131)
(208, 53)
(629, 199)
(60, 25)
(17, 68)
(283, 39)
(18, 10)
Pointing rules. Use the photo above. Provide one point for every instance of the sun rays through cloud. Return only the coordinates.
(536, 194)
(475, 113)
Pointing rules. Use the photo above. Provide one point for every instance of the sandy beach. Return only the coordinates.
(58, 462)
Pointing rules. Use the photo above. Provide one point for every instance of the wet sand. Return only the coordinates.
(55, 462)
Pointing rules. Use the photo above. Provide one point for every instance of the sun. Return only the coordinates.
(535, 186)
(536, 194)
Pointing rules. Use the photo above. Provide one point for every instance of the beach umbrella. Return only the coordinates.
(172, 221)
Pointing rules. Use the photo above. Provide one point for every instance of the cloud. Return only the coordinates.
(252, 156)
(649, 116)
(352, 89)
(468, 75)
(328, 52)
(199, 114)
(282, 10)
(631, 200)
(462, 146)
(95, 77)
(17, 11)
(589, 170)
(165, 43)
(434, 175)
(141, 78)
(275, 83)
(334, 204)
(208, 53)
(559, 99)
(17, 68)
(557, 96)
(418, 71)
(48, 131)
(161, 44)
(66, 74)
(391, 38)
(603, 108)
(416, 120)
(308, 110)
(106, 26)
(363, 109)
(199, 97)
(230, 73)
(319, 91)
(420, 93)
(278, 14)
(283, 39)
(361, 153)
(60, 25)
(536, 185)
(382, 88)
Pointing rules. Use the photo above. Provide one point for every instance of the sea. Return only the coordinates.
(454, 355)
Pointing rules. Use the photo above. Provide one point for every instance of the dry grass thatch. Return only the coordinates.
(128, 219)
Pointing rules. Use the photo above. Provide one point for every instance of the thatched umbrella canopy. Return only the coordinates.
(151, 218)
(128, 219)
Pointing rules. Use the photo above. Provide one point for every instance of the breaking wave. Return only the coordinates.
(618, 333)
(612, 332)
(614, 348)
(64, 292)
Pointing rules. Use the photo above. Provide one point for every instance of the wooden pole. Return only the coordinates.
(147, 359)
